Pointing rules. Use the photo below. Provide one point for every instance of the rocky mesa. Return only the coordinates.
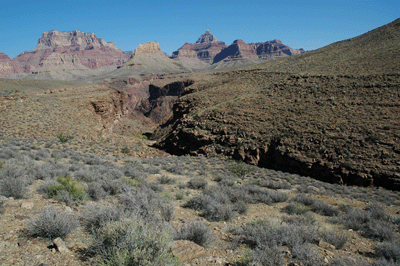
(65, 52)
(91, 51)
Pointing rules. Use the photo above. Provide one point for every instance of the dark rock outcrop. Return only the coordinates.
(158, 107)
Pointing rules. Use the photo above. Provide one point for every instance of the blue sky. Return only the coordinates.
(299, 24)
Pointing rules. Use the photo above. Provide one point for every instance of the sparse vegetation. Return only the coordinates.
(51, 223)
(62, 137)
(132, 242)
(67, 189)
(143, 194)
(196, 231)
(125, 150)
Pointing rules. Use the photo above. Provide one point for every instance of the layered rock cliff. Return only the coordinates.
(70, 49)
(255, 52)
(7, 66)
(205, 48)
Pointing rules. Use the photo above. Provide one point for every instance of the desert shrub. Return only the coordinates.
(96, 216)
(198, 202)
(228, 182)
(278, 196)
(376, 211)
(303, 199)
(59, 154)
(96, 191)
(240, 207)
(384, 262)
(306, 219)
(13, 182)
(50, 170)
(132, 242)
(390, 250)
(336, 238)
(258, 195)
(224, 176)
(92, 159)
(125, 150)
(293, 234)
(345, 261)
(307, 254)
(267, 233)
(179, 196)
(196, 231)
(67, 185)
(324, 208)
(274, 184)
(75, 166)
(9, 152)
(345, 207)
(379, 230)
(152, 170)
(140, 136)
(87, 175)
(166, 180)
(240, 169)
(51, 223)
(64, 137)
(296, 208)
(41, 154)
(268, 256)
(197, 183)
(145, 203)
(176, 169)
(356, 219)
(215, 211)
(156, 187)
(167, 211)
(134, 170)
(2, 207)
(224, 194)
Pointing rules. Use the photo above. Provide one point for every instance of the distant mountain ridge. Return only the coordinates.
(218, 55)
(76, 54)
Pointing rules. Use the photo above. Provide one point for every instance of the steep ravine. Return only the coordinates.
(359, 149)
(182, 137)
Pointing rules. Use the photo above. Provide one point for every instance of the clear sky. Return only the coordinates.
(299, 24)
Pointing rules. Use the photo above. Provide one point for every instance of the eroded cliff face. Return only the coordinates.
(111, 109)
(158, 107)
(139, 104)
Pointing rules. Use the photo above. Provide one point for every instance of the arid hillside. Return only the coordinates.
(332, 113)
(375, 52)
(80, 183)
